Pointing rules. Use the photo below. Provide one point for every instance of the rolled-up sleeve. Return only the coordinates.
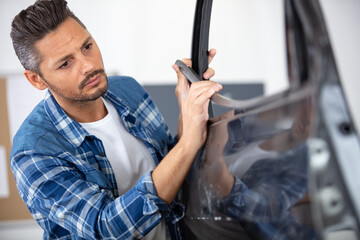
(54, 189)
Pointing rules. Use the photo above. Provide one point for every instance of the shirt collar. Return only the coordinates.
(70, 128)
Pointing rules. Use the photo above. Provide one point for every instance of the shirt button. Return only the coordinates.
(102, 154)
(162, 141)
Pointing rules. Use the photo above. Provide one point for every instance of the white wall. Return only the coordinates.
(144, 38)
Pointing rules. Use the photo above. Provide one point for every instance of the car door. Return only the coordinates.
(281, 166)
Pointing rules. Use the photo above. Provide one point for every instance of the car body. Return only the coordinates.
(294, 155)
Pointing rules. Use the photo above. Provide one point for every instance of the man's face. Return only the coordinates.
(72, 66)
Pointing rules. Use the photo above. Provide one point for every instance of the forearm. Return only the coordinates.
(169, 175)
(180, 127)
(65, 198)
(193, 103)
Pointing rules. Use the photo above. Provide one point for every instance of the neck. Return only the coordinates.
(88, 111)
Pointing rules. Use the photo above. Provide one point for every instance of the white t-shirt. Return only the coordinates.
(128, 156)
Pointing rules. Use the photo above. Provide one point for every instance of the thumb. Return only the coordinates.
(182, 87)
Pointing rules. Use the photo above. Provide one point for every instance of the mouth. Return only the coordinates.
(93, 81)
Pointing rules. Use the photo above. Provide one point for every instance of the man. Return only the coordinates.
(95, 159)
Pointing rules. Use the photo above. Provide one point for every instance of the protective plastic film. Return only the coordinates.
(251, 180)
(283, 166)
(264, 174)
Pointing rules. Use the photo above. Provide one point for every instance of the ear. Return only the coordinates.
(35, 80)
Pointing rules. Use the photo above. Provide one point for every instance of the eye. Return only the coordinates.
(88, 47)
(65, 64)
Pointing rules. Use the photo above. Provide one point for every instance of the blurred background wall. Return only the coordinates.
(142, 39)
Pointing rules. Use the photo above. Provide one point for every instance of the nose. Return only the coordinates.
(87, 66)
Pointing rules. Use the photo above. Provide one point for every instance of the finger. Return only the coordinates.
(206, 95)
(202, 93)
(182, 80)
(212, 54)
(176, 69)
(209, 73)
(187, 62)
(180, 75)
(194, 96)
(182, 86)
(204, 84)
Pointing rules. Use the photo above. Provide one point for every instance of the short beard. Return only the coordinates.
(78, 98)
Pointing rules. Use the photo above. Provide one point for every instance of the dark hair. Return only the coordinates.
(32, 25)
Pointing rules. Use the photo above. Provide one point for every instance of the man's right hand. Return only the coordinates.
(193, 100)
(194, 112)
(193, 103)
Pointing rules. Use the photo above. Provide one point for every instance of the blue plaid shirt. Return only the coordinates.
(67, 183)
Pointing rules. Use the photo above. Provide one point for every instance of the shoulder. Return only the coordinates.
(128, 90)
(37, 133)
(125, 84)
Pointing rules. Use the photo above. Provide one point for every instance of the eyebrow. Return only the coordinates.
(69, 55)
